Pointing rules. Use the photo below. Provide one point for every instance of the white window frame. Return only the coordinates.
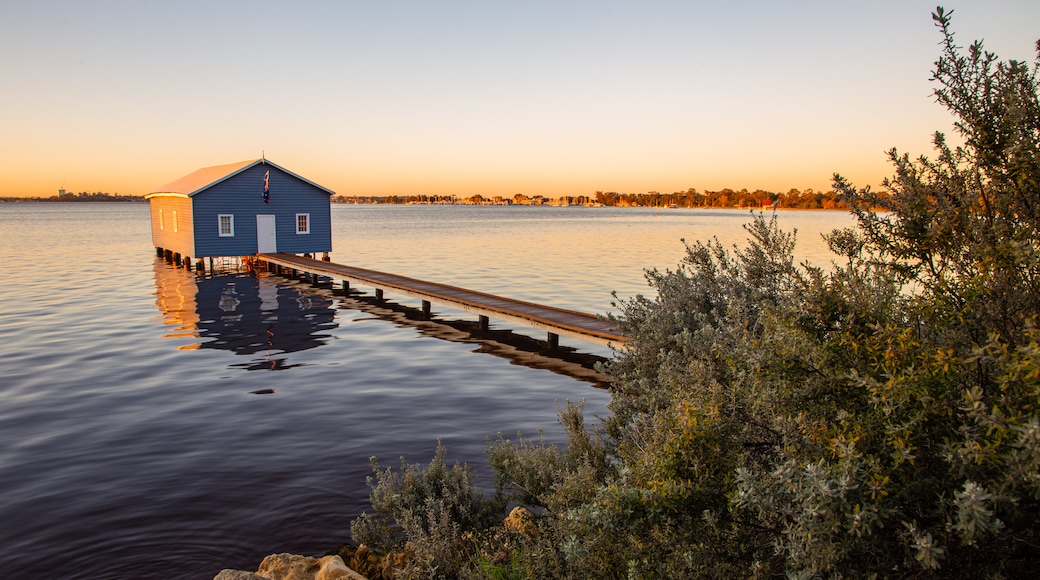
(306, 222)
(174, 221)
(162, 222)
(230, 233)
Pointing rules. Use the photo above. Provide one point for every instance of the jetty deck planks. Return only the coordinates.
(579, 325)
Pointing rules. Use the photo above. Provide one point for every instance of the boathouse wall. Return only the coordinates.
(241, 196)
(172, 224)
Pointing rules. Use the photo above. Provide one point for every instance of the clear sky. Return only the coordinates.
(478, 97)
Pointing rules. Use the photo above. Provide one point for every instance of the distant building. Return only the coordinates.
(241, 209)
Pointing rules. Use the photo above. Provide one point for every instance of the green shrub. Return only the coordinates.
(881, 418)
(373, 531)
(437, 510)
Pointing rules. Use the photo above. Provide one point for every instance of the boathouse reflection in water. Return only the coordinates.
(250, 313)
(242, 313)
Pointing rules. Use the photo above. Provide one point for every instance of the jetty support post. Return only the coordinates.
(554, 341)
(484, 323)
(426, 309)
(379, 293)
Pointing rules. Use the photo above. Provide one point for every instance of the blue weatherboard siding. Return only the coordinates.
(242, 196)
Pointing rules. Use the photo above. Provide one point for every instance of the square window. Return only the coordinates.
(303, 223)
(226, 225)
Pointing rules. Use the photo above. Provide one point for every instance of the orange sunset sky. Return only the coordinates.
(475, 97)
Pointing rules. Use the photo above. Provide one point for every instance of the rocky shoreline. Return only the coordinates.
(294, 567)
(348, 562)
(344, 562)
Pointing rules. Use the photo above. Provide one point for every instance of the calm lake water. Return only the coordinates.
(133, 445)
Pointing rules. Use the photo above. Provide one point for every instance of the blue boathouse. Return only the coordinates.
(240, 209)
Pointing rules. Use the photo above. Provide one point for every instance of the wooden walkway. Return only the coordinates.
(555, 321)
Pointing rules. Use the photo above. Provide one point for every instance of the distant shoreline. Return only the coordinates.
(76, 199)
(136, 199)
(758, 199)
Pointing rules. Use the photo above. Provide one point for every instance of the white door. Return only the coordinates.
(265, 238)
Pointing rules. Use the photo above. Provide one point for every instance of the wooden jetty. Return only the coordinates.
(555, 321)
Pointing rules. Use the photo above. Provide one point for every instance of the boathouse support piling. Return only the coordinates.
(554, 341)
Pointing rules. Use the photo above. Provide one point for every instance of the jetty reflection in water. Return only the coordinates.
(242, 313)
(253, 312)
(517, 348)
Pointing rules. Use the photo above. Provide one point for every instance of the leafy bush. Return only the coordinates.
(436, 508)
(881, 418)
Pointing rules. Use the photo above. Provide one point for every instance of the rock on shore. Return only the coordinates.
(372, 566)
(294, 567)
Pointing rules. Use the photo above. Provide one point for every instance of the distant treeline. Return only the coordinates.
(81, 196)
(690, 198)
(793, 198)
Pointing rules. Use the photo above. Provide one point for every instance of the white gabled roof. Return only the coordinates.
(207, 177)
